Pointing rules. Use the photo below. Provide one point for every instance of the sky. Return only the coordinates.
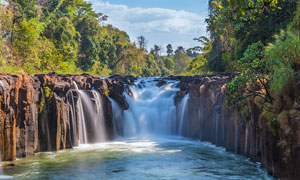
(160, 21)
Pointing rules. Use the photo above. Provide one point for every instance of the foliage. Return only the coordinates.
(181, 61)
(253, 80)
(197, 66)
(234, 25)
(285, 51)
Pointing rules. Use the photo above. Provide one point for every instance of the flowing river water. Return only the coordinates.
(149, 146)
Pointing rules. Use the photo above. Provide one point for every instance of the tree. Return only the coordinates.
(156, 51)
(254, 78)
(180, 49)
(169, 50)
(197, 66)
(181, 61)
(151, 68)
(89, 45)
(142, 42)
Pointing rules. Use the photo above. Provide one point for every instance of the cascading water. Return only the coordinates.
(182, 112)
(73, 119)
(90, 116)
(151, 109)
(117, 118)
(98, 119)
(218, 116)
(236, 130)
(246, 140)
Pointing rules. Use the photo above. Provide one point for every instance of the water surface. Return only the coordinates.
(167, 158)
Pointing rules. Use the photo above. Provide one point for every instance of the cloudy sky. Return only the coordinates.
(160, 21)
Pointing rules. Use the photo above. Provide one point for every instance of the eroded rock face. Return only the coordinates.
(38, 113)
(208, 119)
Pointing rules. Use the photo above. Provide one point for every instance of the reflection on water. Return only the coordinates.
(151, 158)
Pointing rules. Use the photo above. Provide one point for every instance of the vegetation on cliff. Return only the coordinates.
(260, 40)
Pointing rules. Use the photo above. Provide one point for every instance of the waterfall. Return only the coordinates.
(217, 127)
(81, 119)
(182, 112)
(73, 120)
(117, 118)
(218, 117)
(151, 109)
(236, 137)
(91, 117)
(98, 119)
(246, 140)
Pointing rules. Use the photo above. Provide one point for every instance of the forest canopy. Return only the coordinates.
(69, 37)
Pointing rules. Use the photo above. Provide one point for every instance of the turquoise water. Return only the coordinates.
(168, 158)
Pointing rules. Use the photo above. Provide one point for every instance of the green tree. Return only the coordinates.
(181, 61)
(169, 50)
(254, 78)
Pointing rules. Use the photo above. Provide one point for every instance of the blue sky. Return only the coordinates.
(160, 21)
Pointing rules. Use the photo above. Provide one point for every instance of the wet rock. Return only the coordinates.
(182, 86)
(161, 83)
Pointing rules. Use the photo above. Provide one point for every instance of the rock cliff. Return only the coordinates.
(243, 131)
(38, 113)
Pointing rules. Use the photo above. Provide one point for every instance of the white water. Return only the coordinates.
(236, 137)
(117, 117)
(151, 109)
(217, 126)
(91, 117)
(246, 141)
(73, 120)
(182, 112)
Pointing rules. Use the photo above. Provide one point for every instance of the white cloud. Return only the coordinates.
(167, 24)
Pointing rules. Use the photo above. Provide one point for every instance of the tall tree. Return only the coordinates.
(169, 50)
(180, 49)
(142, 42)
